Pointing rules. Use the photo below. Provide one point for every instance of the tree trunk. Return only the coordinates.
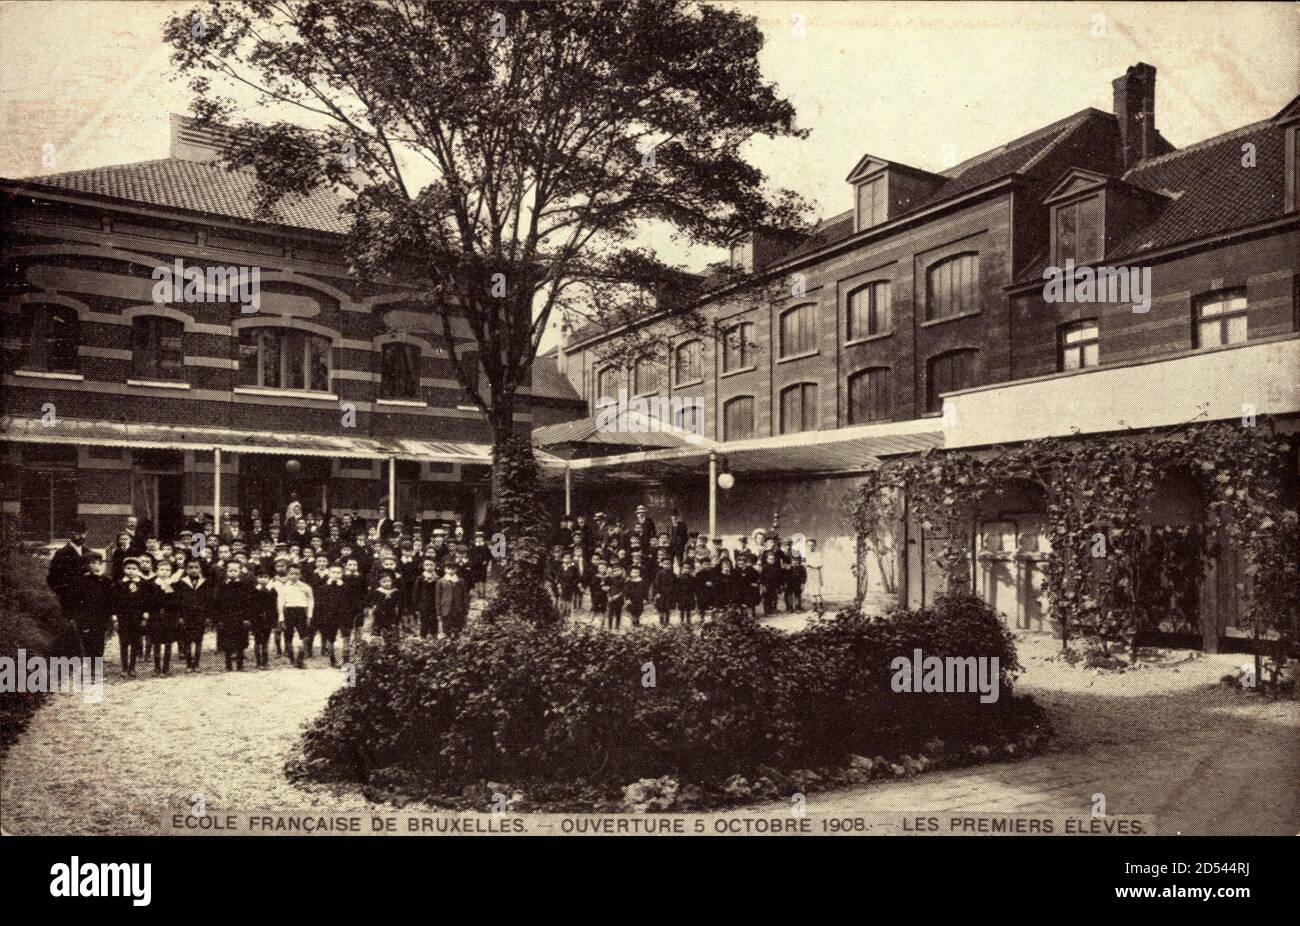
(519, 516)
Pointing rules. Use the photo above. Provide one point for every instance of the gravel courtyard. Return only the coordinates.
(1165, 741)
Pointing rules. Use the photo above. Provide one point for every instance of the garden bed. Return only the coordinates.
(664, 718)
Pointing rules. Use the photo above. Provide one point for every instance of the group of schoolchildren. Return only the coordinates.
(610, 569)
(290, 583)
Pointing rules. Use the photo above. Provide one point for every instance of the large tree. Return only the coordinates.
(503, 158)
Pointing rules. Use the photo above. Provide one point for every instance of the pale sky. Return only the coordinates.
(927, 84)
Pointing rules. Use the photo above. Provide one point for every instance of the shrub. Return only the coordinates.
(512, 701)
(30, 620)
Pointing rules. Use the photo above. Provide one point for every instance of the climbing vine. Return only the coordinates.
(1109, 574)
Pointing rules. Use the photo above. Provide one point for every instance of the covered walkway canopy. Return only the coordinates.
(73, 432)
(842, 451)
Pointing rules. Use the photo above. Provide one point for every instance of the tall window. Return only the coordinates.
(399, 372)
(869, 310)
(1078, 231)
(688, 363)
(738, 418)
(947, 373)
(284, 358)
(952, 286)
(799, 408)
(48, 487)
(157, 350)
(1221, 319)
(797, 330)
(1080, 346)
(52, 334)
(872, 206)
(645, 377)
(736, 347)
(869, 396)
(607, 384)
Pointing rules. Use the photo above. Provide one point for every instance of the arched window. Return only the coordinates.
(947, 373)
(797, 330)
(869, 395)
(869, 310)
(799, 408)
(157, 348)
(284, 358)
(688, 363)
(607, 384)
(399, 374)
(738, 418)
(645, 377)
(952, 286)
(737, 345)
(1079, 345)
(51, 336)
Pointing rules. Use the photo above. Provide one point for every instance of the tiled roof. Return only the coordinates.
(1209, 192)
(1212, 191)
(200, 187)
(1013, 157)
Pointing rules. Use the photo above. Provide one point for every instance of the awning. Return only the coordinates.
(173, 437)
(617, 432)
(844, 450)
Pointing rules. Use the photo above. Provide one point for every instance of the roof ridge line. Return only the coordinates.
(1197, 146)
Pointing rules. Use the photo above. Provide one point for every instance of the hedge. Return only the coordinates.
(511, 701)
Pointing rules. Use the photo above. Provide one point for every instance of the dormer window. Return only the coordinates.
(1077, 235)
(873, 202)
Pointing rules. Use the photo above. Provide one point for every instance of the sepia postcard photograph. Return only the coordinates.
(652, 418)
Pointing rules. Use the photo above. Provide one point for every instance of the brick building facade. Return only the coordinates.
(918, 319)
(117, 402)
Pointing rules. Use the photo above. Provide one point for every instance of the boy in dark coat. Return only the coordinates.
(613, 586)
(236, 605)
(266, 620)
(661, 589)
(570, 593)
(194, 608)
(599, 599)
(330, 610)
(795, 577)
(770, 579)
(163, 620)
(383, 605)
(684, 592)
(132, 604)
(634, 590)
(453, 600)
(424, 599)
(93, 596)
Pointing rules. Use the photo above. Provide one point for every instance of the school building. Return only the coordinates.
(121, 397)
(918, 319)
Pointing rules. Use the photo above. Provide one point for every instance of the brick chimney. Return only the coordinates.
(1135, 108)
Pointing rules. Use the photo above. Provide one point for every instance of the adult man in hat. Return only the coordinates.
(677, 536)
(67, 567)
(644, 527)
